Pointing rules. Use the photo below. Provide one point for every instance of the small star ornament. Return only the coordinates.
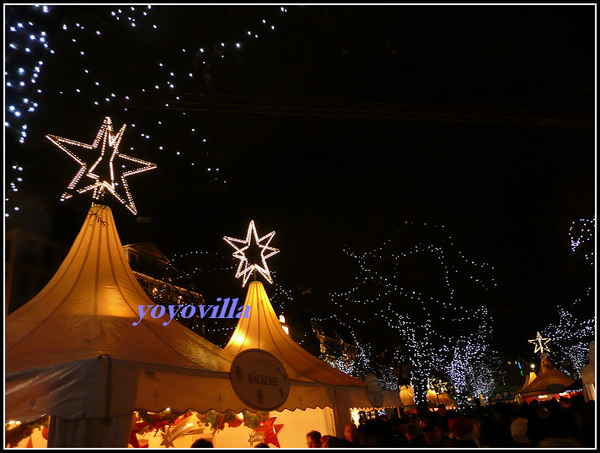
(107, 143)
(246, 267)
(540, 343)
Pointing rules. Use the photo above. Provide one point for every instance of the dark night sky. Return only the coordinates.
(506, 193)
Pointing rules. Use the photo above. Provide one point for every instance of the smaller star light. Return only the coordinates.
(248, 267)
(540, 343)
(437, 385)
(105, 140)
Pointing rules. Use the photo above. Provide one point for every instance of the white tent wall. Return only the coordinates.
(296, 424)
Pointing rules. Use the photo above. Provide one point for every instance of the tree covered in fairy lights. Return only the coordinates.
(575, 326)
(474, 368)
(358, 364)
(570, 337)
(419, 295)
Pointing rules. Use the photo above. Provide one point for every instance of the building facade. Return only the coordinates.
(30, 261)
(163, 283)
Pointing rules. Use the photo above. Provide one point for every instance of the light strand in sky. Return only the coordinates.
(91, 37)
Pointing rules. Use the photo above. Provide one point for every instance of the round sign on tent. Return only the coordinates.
(259, 379)
(373, 390)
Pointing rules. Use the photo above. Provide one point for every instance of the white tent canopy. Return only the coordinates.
(73, 352)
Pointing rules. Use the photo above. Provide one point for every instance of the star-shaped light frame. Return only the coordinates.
(105, 138)
(539, 346)
(437, 385)
(245, 268)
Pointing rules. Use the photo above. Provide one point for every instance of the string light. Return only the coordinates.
(31, 39)
(106, 139)
(246, 268)
(581, 233)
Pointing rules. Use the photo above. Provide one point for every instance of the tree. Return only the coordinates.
(418, 292)
(570, 337)
(474, 367)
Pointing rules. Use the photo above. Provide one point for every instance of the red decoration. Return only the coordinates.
(237, 421)
(221, 425)
(45, 432)
(270, 431)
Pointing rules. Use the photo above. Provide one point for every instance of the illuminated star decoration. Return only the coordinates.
(246, 268)
(539, 346)
(437, 385)
(105, 140)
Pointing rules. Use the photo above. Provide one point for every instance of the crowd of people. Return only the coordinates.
(568, 423)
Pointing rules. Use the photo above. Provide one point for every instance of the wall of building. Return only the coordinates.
(30, 261)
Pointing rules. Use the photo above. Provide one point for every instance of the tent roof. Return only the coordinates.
(529, 379)
(262, 329)
(549, 380)
(88, 309)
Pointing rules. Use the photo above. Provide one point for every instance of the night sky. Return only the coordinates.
(319, 170)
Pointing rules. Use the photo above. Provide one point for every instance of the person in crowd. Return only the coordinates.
(434, 435)
(463, 430)
(442, 415)
(417, 440)
(376, 433)
(202, 443)
(261, 445)
(399, 429)
(518, 432)
(313, 439)
(324, 439)
(351, 435)
(334, 442)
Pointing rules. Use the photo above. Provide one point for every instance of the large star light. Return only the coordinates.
(540, 343)
(107, 143)
(247, 268)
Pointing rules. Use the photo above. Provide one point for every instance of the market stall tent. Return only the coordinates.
(77, 352)
(549, 381)
(318, 384)
(407, 396)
